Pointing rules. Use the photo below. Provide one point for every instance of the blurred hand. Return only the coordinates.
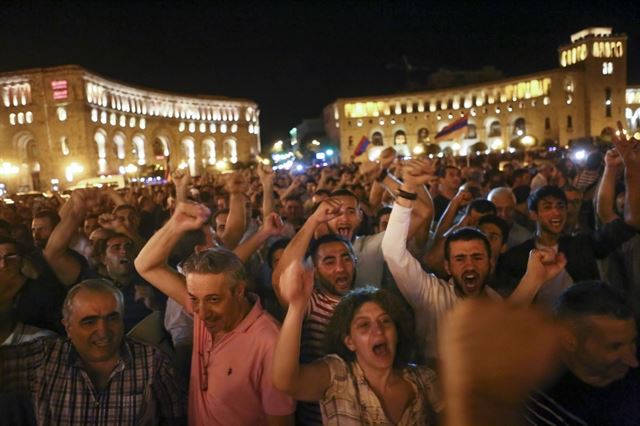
(265, 174)
(189, 216)
(273, 225)
(237, 184)
(387, 157)
(181, 178)
(627, 147)
(417, 172)
(612, 159)
(327, 210)
(296, 285)
(492, 356)
(462, 198)
(370, 170)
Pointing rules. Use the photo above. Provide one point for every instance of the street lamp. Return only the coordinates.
(71, 170)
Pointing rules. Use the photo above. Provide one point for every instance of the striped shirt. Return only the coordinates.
(319, 312)
(142, 389)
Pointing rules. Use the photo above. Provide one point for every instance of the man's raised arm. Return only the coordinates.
(151, 263)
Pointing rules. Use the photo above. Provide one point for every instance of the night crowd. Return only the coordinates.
(327, 296)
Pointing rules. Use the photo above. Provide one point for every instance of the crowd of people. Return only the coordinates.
(400, 291)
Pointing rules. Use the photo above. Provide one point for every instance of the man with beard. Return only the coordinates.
(335, 263)
(467, 261)
(41, 227)
(600, 384)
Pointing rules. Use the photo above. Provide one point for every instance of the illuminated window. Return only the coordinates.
(64, 146)
(223, 128)
(607, 68)
(546, 100)
(202, 127)
(212, 127)
(94, 115)
(103, 117)
(142, 123)
(519, 127)
(607, 102)
(234, 127)
(377, 139)
(400, 138)
(29, 117)
(12, 119)
(472, 132)
(20, 118)
(132, 122)
(113, 120)
(192, 127)
(423, 135)
(123, 121)
(358, 122)
(495, 130)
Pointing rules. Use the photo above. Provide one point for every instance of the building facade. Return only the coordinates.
(578, 100)
(66, 123)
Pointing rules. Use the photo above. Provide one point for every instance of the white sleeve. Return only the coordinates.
(416, 285)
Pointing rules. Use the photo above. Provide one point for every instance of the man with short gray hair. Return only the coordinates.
(233, 337)
(505, 202)
(113, 380)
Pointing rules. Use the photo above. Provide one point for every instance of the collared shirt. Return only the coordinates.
(231, 378)
(351, 401)
(429, 296)
(142, 388)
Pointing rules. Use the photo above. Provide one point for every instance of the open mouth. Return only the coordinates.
(556, 222)
(344, 231)
(103, 343)
(381, 350)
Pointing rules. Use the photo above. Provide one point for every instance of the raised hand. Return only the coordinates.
(463, 197)
(181, 178)
(265, 174)
(417, 172)
(612, 159)
(545, 264)
(273, 225)
(296, 285)
(237, 184)
(84, 200)
(112, 222)
(189, 216)
(369, 169)
(327, 210)
(629, 148)
(387, 157)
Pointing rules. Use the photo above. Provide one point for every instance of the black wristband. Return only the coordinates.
(383, 174)
(407, 195)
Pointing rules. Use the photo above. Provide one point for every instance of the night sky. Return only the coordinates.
(294, 58)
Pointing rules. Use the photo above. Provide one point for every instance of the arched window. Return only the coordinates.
(229, 150)
(400, 138)
(160, 149)
(209, 151)
(472, 132)
(377, 139)
(519, 127)
(118, 142)
(138, 145)
(423, 135)
(495, 130)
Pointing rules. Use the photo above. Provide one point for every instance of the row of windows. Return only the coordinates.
(450, 115)
(168, 108)
(505, 93)
(21, 118)
(16, 94)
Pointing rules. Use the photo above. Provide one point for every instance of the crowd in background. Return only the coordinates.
(327, 296)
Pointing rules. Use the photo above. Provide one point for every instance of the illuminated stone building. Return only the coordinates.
(68, 123)
(587, 93)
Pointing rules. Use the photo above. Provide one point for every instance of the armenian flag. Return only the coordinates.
(453, 129)
(362, 146)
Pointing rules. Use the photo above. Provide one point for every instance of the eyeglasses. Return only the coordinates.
(10, 257)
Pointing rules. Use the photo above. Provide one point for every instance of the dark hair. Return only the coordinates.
(5, 228)
(326, 239)
(521, 193)
(593, 298)
(594, 160)
(339, 326)
(100, 246)
(294, 198)
(381, 212)
(497, 221)
(442, 172)
(544, 192)
(322, 192)
(465, 234)
(342, 192)
(216, 214)
(20, 249)
(482, 206)
(50, 214)
(124, 207)
(277, 245)
(184, 247)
